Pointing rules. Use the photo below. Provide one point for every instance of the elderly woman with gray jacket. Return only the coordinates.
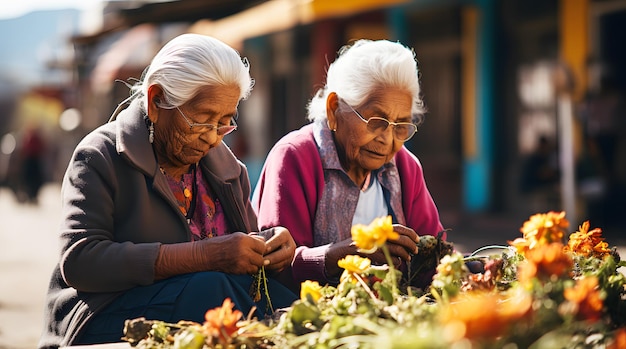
(156, 218)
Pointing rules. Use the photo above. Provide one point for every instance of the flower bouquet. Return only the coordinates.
(539, 291)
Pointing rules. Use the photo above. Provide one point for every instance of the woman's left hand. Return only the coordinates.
(280, 248)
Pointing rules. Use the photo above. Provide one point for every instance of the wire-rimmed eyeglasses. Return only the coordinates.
(204, 128)
(402, 131)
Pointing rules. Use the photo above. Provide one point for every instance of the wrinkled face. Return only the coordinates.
(179, 144)
(358, 148)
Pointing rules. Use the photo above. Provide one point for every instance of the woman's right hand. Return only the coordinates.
(236, 253)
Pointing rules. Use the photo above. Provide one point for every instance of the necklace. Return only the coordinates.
(366, 184)
(184, 191)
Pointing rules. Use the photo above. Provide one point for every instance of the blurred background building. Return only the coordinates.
(525, 98)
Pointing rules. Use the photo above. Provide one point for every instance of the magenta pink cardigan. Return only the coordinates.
(292, 182)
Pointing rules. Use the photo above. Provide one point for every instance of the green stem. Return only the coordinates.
(392, 270)
(267, 292)
(367, 289)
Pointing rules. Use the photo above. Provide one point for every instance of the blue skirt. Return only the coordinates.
(184, 297)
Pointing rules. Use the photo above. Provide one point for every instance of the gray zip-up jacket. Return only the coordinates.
(117, 210)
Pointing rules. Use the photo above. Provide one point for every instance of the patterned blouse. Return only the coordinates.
(198, 203)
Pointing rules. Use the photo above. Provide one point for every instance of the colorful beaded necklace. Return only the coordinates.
(187, 194)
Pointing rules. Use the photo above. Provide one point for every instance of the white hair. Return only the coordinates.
(362, 68)
(189, 62)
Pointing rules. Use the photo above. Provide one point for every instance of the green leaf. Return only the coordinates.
(188, 338)
(384, 292)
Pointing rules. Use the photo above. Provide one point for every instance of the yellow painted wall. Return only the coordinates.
(469, 51)
(574, 49)
(330, 8)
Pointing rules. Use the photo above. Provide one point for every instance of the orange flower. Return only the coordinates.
(221, 322)
(619, 339)
(526, 272)
(587, 242)
(370, 237)
(586, 296)
(521, 245)
(541, 229)
(544, 262)
(482, 315)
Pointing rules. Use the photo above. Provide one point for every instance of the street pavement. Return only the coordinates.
(29, 251)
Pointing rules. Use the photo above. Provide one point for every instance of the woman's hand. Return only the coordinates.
(346, 247)
(236, 253)
(336, 252)
(405, 246)
(400, 250)
(279, 248)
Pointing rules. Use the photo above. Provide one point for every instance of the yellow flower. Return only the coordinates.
(353, 265)
(370, 237)
(312, 289)
(541, 229)
(587, 242)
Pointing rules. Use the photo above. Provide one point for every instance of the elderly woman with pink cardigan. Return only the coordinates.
(349, 165)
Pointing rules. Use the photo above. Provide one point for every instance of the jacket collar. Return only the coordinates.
(132, 139)
(220, 162)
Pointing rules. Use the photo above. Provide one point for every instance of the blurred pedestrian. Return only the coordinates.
(32, 163)
(603, 114)
(540, 176)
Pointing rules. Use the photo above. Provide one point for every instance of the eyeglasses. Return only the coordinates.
(402, 131)
(204, 128)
